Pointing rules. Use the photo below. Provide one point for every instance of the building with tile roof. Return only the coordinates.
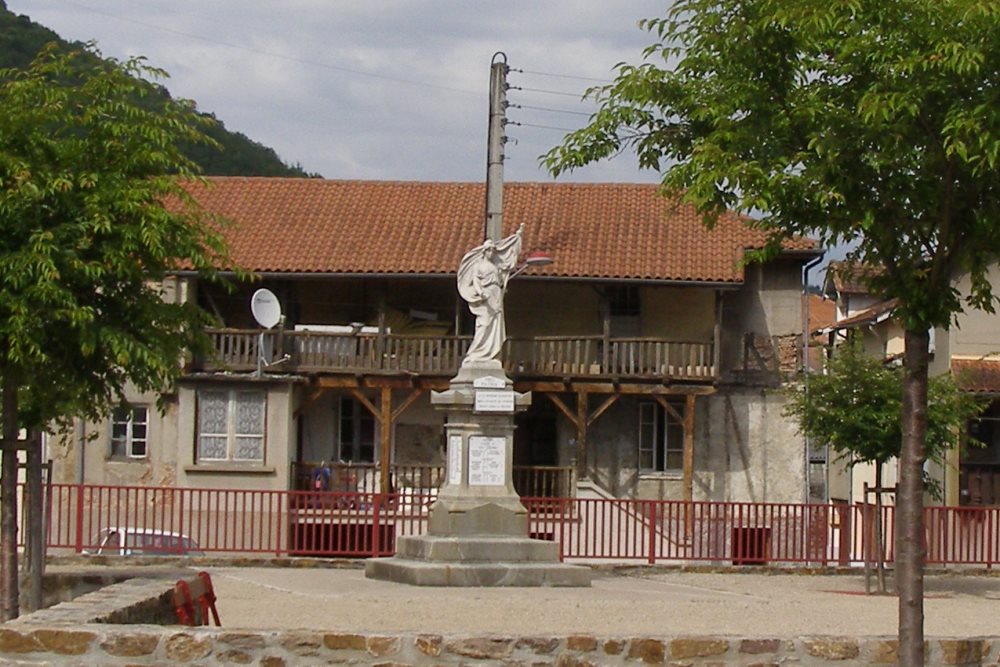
(969, 349)
(653, 352)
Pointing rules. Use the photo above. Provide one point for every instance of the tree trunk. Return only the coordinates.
(910, 501)
(9, 604)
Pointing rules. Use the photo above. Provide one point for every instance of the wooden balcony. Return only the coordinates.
(543, 356)
(422, 479)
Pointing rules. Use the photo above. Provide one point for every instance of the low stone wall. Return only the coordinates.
(136, 600)
(95, 644)
(129, 623)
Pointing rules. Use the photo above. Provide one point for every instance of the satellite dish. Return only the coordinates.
(265, 308)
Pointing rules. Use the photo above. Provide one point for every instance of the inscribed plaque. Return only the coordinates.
(487, 460)
(494, 400)
(455, 460)
(489, 382)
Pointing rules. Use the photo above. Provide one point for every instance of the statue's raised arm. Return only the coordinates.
(482, 281)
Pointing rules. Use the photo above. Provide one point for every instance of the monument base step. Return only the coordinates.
(425, 573)
(477, 561)
(477, 549)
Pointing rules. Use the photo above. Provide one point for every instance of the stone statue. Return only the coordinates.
(482, 281)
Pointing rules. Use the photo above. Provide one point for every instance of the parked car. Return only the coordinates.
(130, 541)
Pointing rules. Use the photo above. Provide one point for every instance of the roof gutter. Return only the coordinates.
(287, 275)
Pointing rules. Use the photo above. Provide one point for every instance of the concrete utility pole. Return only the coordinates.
(494, 150)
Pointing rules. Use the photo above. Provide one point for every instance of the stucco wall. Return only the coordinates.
(677, 313)
(278, 448)
(976, 333)
(769, 304)
(418, 434)
(745, 449)
(157, 468)
(748, 450)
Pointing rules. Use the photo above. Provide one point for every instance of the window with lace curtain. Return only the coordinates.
(231, 426)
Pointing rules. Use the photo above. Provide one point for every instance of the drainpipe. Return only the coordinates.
(81, 438)
(806, 370)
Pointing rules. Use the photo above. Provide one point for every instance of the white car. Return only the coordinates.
(129, 541)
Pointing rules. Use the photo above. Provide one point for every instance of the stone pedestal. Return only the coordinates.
(477, 533)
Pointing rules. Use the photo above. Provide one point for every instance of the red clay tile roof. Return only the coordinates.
(822, 312)
(613, 231)
(851, 278)
(977, 375)
(872, 314)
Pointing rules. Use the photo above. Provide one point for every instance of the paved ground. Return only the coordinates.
(656, 603)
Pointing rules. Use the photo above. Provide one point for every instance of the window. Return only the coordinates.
(129, 431)
(661, 439)
(231, 425)
(623, 300)
(356, 433)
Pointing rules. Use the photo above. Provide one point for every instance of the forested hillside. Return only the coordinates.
(21, 39)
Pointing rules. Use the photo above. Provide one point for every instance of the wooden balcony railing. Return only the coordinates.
(423, 479)
(588, 356)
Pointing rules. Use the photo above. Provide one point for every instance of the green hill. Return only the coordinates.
(21, 38)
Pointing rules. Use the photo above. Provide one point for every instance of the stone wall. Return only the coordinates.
(94, 644)
(129, 624)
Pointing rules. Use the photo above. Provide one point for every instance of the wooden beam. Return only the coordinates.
(545, 386)
(570, 415)
(602, 409)
(363, 400)
(414, 395)
(386, 438)
(337, 381)
(669, 408)
(689, 447)
(378, 382)
(581, 430)
(316, 393)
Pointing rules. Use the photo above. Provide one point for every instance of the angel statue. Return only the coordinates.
(482, 281)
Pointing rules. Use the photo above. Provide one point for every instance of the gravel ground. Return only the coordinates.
(775, 605)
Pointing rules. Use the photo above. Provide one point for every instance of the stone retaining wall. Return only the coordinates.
(128, 624)
(96, 644)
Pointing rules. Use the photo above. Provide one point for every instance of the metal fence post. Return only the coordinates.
(652, 532)
(377, 526)
(79, 518)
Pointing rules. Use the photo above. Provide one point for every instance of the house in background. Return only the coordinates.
(654, 357)
(970, 349)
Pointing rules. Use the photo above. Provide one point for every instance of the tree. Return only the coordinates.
(868, 120)
(94, 217)
(855, 408)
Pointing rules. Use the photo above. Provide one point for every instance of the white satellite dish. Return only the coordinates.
(265, 308)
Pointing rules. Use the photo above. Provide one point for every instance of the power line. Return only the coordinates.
(528, 106)
(543, 127)
(303, 61)
(561, 76)
(547, 92)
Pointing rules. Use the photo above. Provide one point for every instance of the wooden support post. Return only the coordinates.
(717, 336)
(689, 447)
(386, 417)
(581, 437)
(582, 419)
(385, 427)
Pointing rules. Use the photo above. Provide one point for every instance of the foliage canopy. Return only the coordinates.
(855, 407)
(94, 218)
(870, 119)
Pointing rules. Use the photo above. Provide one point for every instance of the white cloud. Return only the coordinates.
(277, 73)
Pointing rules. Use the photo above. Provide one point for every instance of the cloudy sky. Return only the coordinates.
(376, 89)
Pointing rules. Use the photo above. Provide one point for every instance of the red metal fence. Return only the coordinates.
(353, 524)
